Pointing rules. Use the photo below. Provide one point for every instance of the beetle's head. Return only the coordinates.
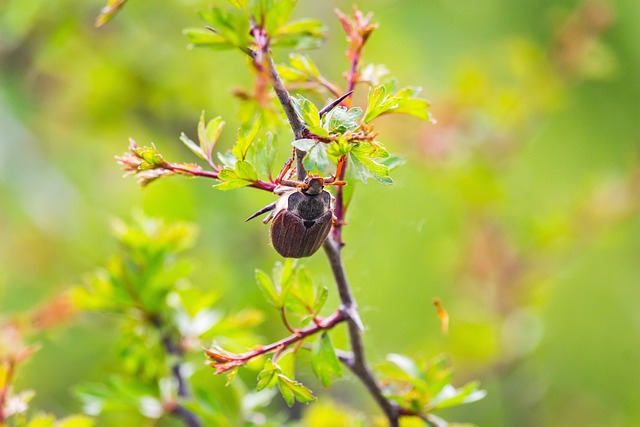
(314, 186)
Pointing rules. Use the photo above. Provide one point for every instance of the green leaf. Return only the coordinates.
(200, 37)
(304, 144)
(393, 162)
(450, 396)
(321, 297)
(192, 146)
(303, 34)
(265, 150)
(404, 101)
(244, 174)
(317, 159)
(307, 111)
(239, 4)
(340, 120)
(231, 25)
(275, 13)
(366, 168)
(208, 135)
(287, 275)
(293, 390)
(409, 103)
(405, 363)
(324, 361)
(268, 289)
(304, 290)
(245, 139)
(304, 65)
(267, 377)
(377, 103)
(228, 159)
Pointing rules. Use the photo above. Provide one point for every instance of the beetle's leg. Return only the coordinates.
(287, 166)
(269, 207)
(293, 184)
(339, 172)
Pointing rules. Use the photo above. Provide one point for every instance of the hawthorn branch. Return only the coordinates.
(223, 361)
(356, 361)
(296, 124)
(173, 350)
(259, 184)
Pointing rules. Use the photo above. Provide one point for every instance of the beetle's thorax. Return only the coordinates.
(314, 186)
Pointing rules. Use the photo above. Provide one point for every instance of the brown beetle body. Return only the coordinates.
(299, 230)
(302, 216)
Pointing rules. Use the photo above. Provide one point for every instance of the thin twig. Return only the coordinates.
(296, 124)
(259, 184)
(174, 351)
(223, 361)
(356, 361)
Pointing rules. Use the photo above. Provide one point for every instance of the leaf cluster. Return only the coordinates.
(162, 318)
(421, 388)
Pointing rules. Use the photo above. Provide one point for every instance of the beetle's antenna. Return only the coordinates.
(267, 208)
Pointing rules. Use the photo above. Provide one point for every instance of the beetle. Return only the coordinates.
(302, 216)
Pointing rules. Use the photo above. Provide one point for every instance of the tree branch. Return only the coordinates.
(173, 350)
(223, 361)
(356, 361)
(296, 124)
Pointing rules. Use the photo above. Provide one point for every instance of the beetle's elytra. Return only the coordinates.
(302, 216)
(299, 230)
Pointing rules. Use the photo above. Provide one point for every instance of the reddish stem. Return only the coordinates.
(261, 185)
(339, 209)
(234, 360)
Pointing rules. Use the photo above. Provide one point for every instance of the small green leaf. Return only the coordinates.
(375, 103)
(231, 25)
(286, 392)
(275, 14)
(287, 276)
(192, 146)
(405, 101)
(316, 158)
(245, 170)
(293, 390)
(245, 139)
(405, 363)
(267, 377)
(266, 150)
(393, 162)
(244, 174)
(267, 288)
(208, 135)
(304, 289)
(200, 37)
(340, 120)
(303, 34)
(304, 65)
(321, 297)
(304, 144)
(307, 111)
(228, 159)
(409, 103)
(365, 168)
(324, 361)
(450, 396)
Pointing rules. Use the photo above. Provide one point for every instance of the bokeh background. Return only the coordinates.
(519, 209)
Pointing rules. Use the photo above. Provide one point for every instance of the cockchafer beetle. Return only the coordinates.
(303, 214)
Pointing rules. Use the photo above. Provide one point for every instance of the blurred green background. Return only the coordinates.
(519, 209)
